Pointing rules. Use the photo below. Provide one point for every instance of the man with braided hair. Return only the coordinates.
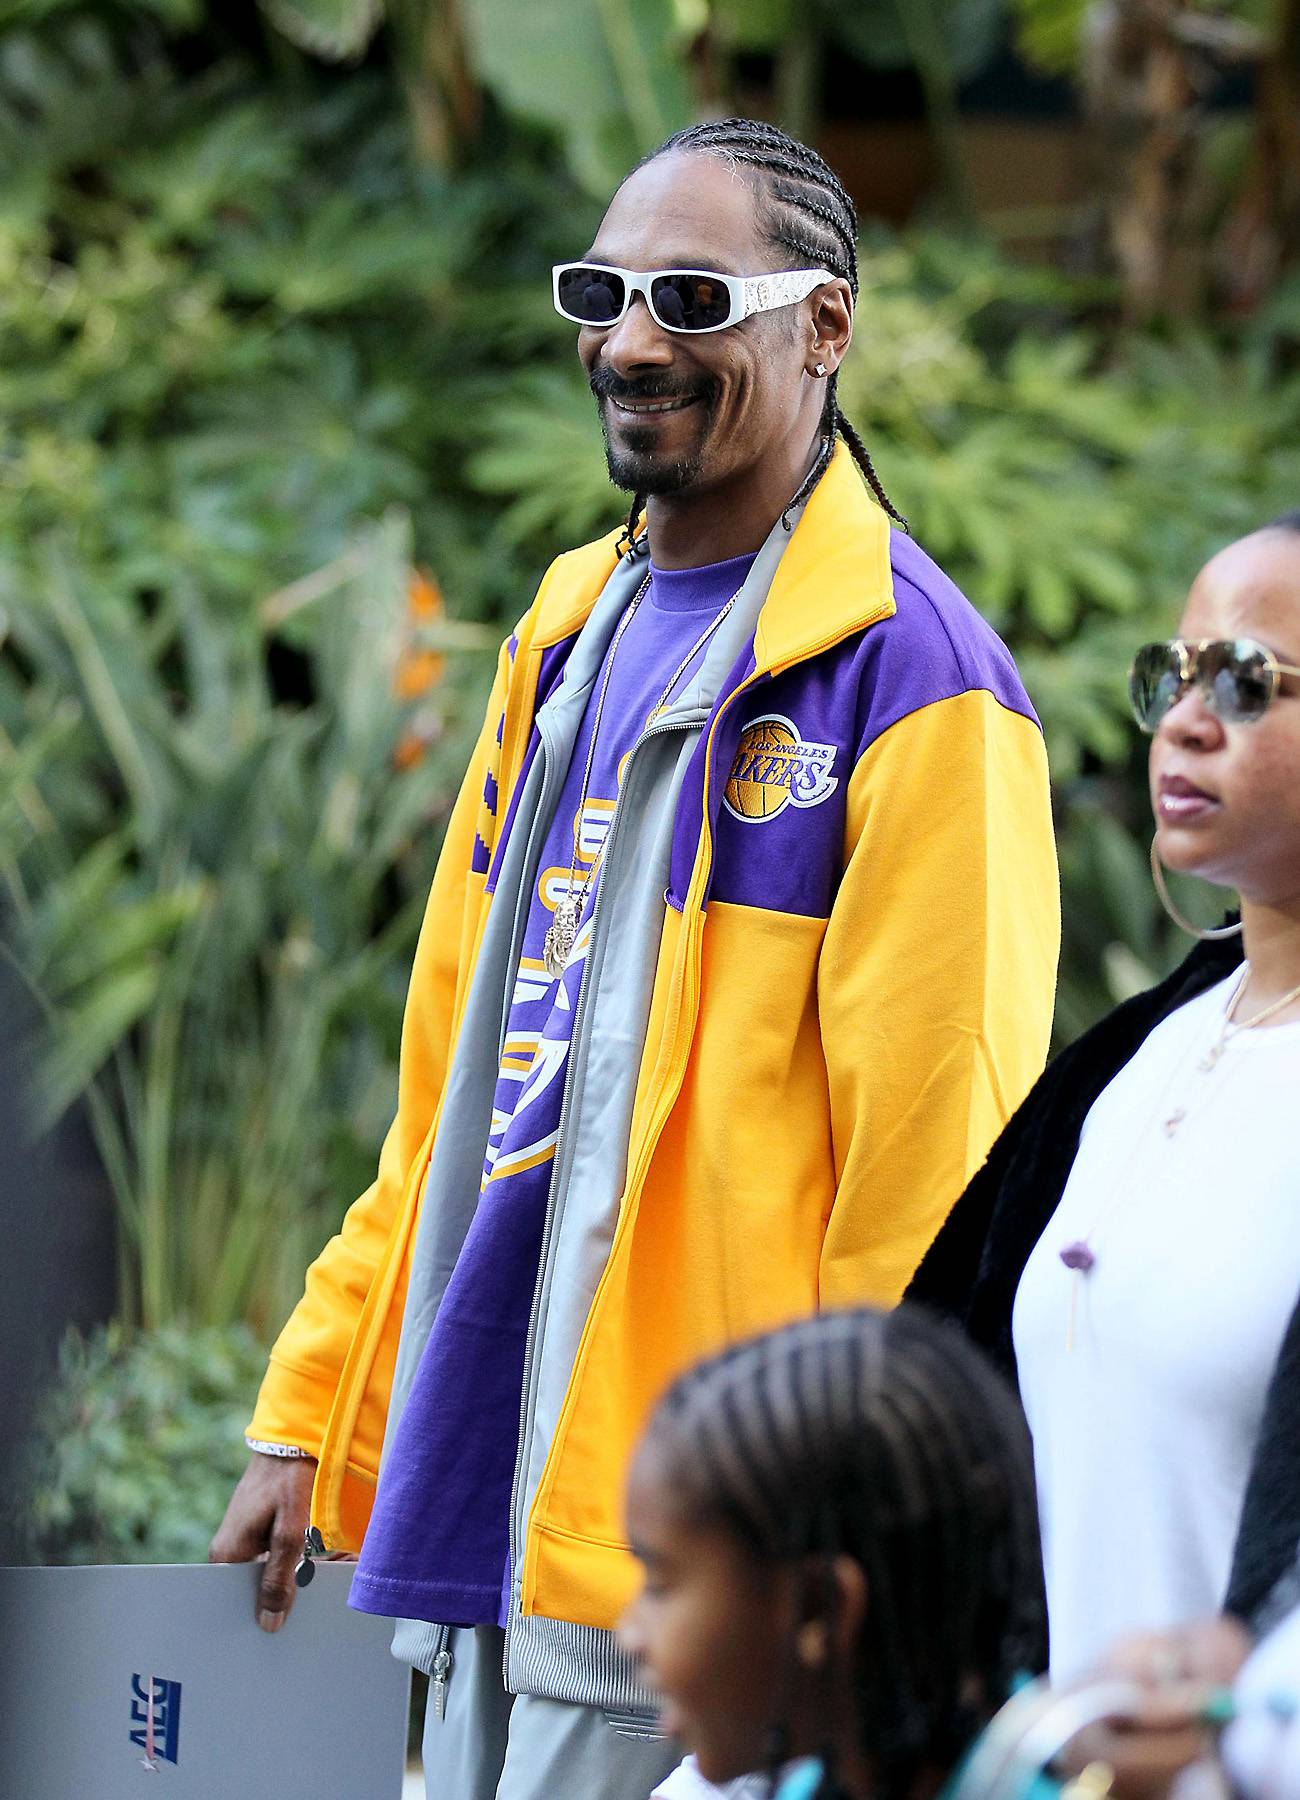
(740, 949)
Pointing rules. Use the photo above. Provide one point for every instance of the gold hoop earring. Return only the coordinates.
(1205, 933)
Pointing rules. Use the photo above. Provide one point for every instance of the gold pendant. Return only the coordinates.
(1212, 1056)
(557, 946)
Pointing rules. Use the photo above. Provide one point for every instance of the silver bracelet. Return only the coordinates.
(264, 1449)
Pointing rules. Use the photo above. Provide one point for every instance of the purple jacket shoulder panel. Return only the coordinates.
(935, 647)
(789, 747)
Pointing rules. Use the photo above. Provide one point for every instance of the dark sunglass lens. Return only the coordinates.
(1154, 683)
(691, 302)
(594, 296)
(1236, 678)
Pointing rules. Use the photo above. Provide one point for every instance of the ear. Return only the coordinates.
(830, 1603)
(831, 326)
(848, 1585)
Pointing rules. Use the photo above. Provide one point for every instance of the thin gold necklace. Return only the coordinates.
(1079, 1256)
(1232, 1029)
(562, 932)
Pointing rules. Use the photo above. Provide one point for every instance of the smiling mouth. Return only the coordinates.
(639, 408)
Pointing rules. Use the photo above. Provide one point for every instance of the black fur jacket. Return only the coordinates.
(973, 1268)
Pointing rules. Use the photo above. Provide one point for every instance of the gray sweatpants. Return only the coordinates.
(492, 1745)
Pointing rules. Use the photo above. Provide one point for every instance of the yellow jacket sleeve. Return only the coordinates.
(937, 977)
(298, 1390)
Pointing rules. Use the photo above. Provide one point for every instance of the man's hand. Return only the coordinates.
(267, 1517)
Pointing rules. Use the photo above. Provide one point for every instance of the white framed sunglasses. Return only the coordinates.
(685, 300)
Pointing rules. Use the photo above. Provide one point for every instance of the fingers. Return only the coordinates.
(1146, 1764)
(1177, 1706)
(276, 1589)
(1206, 1653)
(243, 1534)
(266, 1517)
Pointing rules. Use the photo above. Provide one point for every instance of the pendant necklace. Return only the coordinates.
(562, 932)
(1078, 1256)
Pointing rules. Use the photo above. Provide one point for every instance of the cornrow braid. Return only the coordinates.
(889, 1439)
(806, 214)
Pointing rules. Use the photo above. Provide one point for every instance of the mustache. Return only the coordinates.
(606, 385)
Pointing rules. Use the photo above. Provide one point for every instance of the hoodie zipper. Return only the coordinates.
(686, 723)
(440, 1672)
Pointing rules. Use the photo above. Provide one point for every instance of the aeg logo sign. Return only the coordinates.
(156, 1719)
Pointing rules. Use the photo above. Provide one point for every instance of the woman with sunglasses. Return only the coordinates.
(1131, 1249)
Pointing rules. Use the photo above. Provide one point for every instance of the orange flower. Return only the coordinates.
(408, 751)
(418, 669)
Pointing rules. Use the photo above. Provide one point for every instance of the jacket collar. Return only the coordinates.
(834, 577)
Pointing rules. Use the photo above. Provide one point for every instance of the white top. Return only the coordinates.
(1143, 1431)
(686, 1783)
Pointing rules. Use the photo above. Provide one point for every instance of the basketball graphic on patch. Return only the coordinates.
(774, 767)
(759, 784)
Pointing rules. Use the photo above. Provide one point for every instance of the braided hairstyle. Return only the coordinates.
(887, 1438)
(807, 217)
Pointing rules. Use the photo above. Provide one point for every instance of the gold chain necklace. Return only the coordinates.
(1227, 1031)
(562, 932)
(1231, 1029)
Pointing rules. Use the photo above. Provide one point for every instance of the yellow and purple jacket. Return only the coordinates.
(854, 958)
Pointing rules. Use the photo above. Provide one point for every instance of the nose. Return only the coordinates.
(636, 342)
(1190, 724)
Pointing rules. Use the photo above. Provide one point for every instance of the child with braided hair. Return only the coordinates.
(837, 1530)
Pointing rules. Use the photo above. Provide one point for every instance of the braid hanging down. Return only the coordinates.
(807, 216)
(629, 542)
(889, 1439)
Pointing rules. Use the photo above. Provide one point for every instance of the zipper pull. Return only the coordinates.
(313, 1544)
(439, 1675)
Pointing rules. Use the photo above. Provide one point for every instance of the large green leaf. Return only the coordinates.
(894, 34)
(762, 25)
(604, 74)
(329, 28)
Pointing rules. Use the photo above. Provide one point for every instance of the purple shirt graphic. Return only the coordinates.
(438, 1543)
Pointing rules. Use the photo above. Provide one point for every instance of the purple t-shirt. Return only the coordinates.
(438, 1543)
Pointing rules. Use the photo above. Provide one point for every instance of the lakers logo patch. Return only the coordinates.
(775, 768)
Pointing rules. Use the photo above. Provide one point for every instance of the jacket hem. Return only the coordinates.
(580, 1664)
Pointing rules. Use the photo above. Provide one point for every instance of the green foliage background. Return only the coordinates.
(140, 1445)
(257, 360)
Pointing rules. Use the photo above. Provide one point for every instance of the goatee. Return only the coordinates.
(633, 462)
